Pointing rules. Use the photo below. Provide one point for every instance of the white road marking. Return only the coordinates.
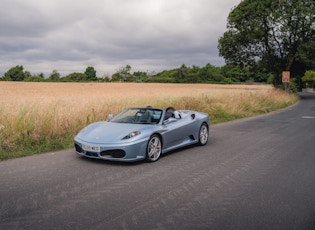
(308, 117)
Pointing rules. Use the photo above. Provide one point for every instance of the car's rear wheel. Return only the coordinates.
(154, 148)
(203, 134)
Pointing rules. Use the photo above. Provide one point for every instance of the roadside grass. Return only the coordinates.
(43, 117)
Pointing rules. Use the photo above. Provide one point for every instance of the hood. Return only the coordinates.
(108, 132)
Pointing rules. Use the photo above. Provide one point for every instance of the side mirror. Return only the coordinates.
(193, 116)
(110, 116)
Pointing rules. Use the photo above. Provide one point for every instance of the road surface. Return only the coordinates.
(256, 173)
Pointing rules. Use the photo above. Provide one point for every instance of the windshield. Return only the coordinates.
(139, 116)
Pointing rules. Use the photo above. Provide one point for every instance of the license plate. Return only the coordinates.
(91, 148)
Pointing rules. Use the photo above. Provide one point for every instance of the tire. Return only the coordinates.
(154, 148)
(203, 134)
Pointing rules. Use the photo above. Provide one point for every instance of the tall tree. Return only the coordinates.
(54, 76)
(90, 72)
(123, 74)
(276, 33)
(15, 74)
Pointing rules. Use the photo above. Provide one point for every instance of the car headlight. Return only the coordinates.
(131, 135)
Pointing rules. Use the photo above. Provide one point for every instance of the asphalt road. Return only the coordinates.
(256, 173)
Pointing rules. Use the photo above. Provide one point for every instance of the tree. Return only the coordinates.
(15, 74)
(41, 75)
(90, 72)
(182, 74)
(309, 77)
(123, 74)
(27, 74)
(275, 33)
(210, 73)
(54, 76)
(307, 54)
(140, 76)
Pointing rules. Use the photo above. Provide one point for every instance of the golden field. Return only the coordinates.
(37, 117)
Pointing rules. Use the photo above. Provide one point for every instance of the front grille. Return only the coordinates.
(116, 153)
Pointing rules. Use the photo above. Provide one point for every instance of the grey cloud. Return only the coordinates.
(152, 35)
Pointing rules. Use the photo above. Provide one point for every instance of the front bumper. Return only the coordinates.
(128, 152)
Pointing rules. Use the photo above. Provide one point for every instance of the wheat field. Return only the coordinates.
(43, 116)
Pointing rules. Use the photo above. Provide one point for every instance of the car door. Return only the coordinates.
(176, 132)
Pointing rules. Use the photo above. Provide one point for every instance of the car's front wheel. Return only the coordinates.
(154, 148)
(203, 134)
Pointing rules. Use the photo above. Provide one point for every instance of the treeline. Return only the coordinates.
(18, 73)
(228, 74)
(208, 74)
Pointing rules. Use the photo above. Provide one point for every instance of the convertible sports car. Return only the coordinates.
(142, 133)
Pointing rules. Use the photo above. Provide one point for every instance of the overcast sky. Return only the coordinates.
(149, 35)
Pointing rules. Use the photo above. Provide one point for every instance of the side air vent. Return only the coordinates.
(78, 148)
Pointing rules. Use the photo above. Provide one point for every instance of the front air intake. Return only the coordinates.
(116, 153)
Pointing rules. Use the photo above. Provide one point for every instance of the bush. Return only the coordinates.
(34, 79)
(290, 86)
(309, 78)
(75, 77)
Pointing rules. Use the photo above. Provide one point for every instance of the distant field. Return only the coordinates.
(39, 117)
